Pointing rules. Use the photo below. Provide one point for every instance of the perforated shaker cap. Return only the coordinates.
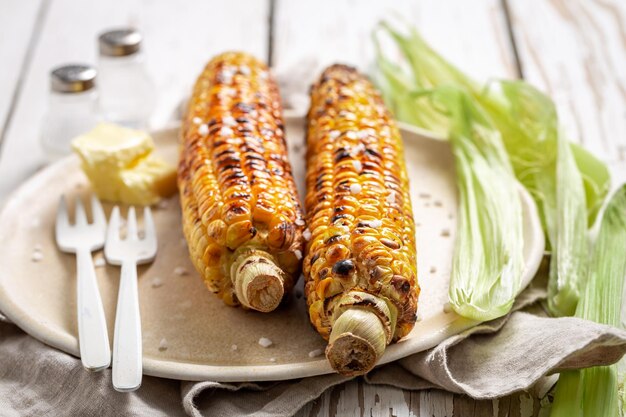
(119, 42)
(72, 78)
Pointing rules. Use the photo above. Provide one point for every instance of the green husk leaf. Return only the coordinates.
(567, 183)
(490, 229)
(594, 391)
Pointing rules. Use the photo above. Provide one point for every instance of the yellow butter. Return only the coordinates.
(121, 167)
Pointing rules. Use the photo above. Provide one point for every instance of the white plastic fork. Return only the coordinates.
(83, 238)
(129, 252)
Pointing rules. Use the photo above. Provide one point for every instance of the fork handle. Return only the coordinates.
(93, 338)
(127, 346)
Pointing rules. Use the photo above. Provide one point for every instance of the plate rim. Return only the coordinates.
(452, 323)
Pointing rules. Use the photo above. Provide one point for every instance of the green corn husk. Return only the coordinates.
(567, 183)
(594, 391)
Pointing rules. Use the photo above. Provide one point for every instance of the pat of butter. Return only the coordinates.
(121, 167)
(112, 146)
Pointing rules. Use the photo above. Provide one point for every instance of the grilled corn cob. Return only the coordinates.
(241, 215)
(360, 263)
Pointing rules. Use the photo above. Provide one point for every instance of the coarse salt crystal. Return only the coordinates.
(156, 282)
(299, 222)
(36, 256)
(355, 188)
(351, 135)
(229, 121)
(163, 344)
(306, 234)
(265, 342)
(203, 130)
(99, 262)
(298, 254)
(447, 307)
(376, 223)
(245, 70)
(391, 198)
(358, 166)
(226, 131)
(315, 353)
(445, 232)
(180, 271)
(334, 134)
(233, 347)
(362, 134)
(272, 359)
(197, 120)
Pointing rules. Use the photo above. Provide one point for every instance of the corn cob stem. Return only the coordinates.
(258, 282)
(357, 341)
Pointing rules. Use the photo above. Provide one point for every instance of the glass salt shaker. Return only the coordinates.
(71, 108)
(127, 93)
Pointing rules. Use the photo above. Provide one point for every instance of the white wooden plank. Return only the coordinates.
(17, 20)
(311, 35)
(576, 51)
(179, 38)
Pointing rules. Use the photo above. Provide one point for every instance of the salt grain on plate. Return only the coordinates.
(450, 216)
(180, 271)
(37, 247)
(424, 195)
(315, 353)
(163, 204)
(36, 256)
(265, 342)
(299, 222)
(272, 359)
(197, 120)
(298, 254)
(433, 269)
(355, 188)
(306, 234)
(233, 347)
(163, 345)
(445, 232)
(438, 203)
(156, 282)
(99, 262)
(447, 307)
(203, 130)
(358, 166)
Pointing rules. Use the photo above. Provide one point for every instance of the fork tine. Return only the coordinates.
(131, 224)
(80, 218)
(148, 225)
(97, 213)
(113, 231)
(63, 221)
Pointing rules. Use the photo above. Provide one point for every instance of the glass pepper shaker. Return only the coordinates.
(127, 93)
(72, 108)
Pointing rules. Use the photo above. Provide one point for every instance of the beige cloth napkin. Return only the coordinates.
(490, 360)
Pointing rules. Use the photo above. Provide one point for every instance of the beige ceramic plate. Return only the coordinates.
(187, 332)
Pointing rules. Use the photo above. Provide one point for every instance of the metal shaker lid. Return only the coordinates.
(119, 42)
(72, 78)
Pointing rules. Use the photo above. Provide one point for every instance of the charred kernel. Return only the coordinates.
(344, 267)
(390, 243)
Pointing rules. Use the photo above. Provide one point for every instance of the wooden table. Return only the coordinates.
(575, 50)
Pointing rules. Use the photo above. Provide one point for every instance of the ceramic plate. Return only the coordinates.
(187, 332)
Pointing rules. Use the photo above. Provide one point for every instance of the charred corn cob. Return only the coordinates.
(241, 215)
(360, 263)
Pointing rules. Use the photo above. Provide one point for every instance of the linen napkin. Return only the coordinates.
(490, 360)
